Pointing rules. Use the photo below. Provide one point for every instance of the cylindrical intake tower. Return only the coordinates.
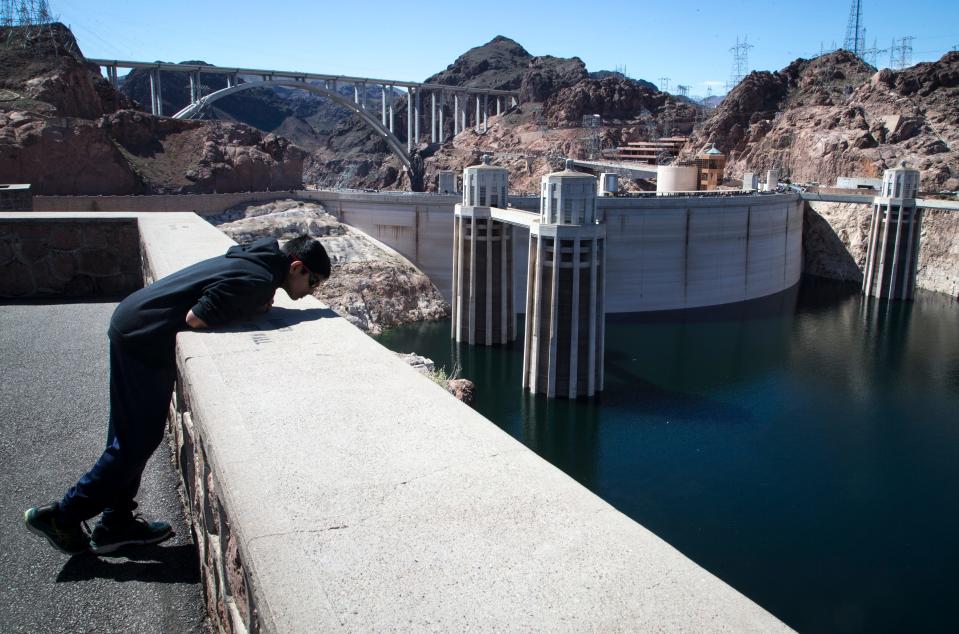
(893, 253)
(482, 306)
(565, 315)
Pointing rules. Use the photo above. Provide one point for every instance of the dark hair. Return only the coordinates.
(310, 252)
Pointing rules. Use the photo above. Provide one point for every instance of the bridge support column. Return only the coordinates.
(478, 118)
(416, 118)
(433, 116)
(485, 113)
(113, 77)
(565, 291)
(483, 311)
(513, 102)
(154, 92)
(383, 105)
(442, 133)
(409, 119)
(392, 96)
(456, 113)
(893, 252)
(499, 106)
(356, 94)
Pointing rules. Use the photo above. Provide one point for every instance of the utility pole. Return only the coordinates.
(664, 84)
(740, 62)
(900, 55)
(683, 90)
(855, 30)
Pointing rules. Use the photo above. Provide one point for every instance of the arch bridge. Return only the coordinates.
(471, 106)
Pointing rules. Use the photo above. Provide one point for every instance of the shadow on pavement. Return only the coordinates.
(156, 564)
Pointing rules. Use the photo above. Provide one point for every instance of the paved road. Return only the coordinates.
(53, 412)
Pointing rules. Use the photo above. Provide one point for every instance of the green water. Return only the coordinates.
(804, 447)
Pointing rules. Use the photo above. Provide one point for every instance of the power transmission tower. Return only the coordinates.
(683, 90)
(25, 13)
(740, 62)
(664, 84)
(871, 55)
(900, 55)
(855, 30)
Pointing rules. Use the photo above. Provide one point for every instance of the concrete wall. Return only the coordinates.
(197, 203)
(663, 252)
(42, 257)
(736, 248)
(667, 253)
(354, 493)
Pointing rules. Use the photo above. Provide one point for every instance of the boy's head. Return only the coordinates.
(309, 266)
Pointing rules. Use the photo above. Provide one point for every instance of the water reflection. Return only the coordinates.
(802, 447)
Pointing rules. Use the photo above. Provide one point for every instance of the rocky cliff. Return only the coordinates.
(64, 129)
(835, 115)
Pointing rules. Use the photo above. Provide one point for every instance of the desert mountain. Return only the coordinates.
(835, 115)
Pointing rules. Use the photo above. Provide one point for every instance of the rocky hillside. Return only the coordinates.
(64, 129)
(835, 115)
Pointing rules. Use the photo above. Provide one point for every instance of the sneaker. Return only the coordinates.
(137, 531)
(67, 538)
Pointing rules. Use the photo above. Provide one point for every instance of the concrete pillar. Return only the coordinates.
(478, 117)
(409, 119)
(499, 106)
(456, 113)
(433, 116)
(485, 112)
(565, 302)
(392, 96)
(892, 253)
(383, 105)
(356, 94)
(442, 133)
(192, 87)
(513, 102)
(363, 96)
(482, 308)
(416, 118)
(153, 92)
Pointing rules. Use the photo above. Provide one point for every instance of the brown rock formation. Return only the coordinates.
(64, 129)
(834, 115)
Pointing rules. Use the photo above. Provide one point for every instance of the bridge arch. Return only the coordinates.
(194, 109)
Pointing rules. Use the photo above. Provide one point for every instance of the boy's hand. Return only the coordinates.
(265, 307)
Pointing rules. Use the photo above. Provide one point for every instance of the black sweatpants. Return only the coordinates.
(140, 393)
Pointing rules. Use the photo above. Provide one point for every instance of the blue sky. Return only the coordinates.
(689, 43)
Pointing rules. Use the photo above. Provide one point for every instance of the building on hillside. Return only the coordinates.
(651, 152)
(712, 165)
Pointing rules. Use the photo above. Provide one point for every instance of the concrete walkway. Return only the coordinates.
(53, 413)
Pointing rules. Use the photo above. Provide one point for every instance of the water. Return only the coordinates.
(803, 447)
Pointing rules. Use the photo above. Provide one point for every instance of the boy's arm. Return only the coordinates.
(227, 301)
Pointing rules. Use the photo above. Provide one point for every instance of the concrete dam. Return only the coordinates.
(664, 252)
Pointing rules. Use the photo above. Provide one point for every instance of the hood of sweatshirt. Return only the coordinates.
(266, 253)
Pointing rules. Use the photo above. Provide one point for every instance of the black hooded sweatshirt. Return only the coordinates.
(218, 290)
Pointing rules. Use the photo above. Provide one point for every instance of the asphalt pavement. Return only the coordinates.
(53, 425)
